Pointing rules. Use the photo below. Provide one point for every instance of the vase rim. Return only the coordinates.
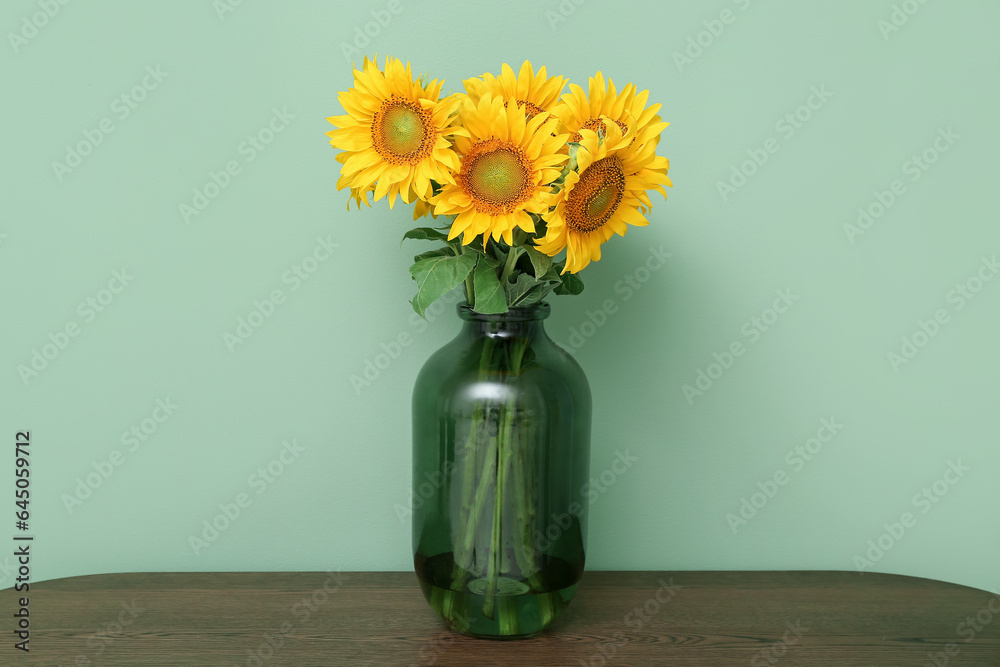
(538, 311)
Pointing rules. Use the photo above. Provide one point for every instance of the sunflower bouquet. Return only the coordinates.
(517, 173)
(522, 171)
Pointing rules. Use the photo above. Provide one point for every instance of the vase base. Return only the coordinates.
(518, 609)
(516, 616)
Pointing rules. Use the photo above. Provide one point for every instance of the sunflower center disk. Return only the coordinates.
(596, 196)
(603, 202)
(497, 177)
(400, 131)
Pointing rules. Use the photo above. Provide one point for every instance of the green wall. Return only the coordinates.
(841, 108)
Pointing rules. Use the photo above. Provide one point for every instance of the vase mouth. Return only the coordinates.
(537, 312)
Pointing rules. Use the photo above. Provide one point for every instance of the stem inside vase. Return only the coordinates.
(503, 471)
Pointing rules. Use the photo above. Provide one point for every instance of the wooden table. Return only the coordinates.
(618, 618)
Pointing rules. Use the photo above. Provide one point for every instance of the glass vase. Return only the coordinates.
(501, 460)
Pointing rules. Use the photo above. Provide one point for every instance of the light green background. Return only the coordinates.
(337, 504)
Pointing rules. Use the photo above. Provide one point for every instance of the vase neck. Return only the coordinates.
(515, 323)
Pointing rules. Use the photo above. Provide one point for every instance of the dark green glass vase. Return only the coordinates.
(501, 460)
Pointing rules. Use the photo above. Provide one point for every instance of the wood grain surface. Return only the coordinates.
(618, 618)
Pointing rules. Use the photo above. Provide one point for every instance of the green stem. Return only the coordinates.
(524, 547)
(508, 266)
(470, 290)
(496, 535)
(523, 551)
(463, 555)
(502, 451)
(480, 499)
(468, 480)
(481, 486)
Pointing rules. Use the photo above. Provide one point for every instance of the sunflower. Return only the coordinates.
(536, 93)
(359, 194)
(604, 193)
(579, 111)
(395, 134)
(421, 208)
(507, 165)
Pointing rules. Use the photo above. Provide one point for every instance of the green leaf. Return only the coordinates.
(489, 296)
(552, 275)
(570, 283)
(540, 262)
(526, 291)
(425, 234)
(436, 276)
(470, 249)
(437, 252)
